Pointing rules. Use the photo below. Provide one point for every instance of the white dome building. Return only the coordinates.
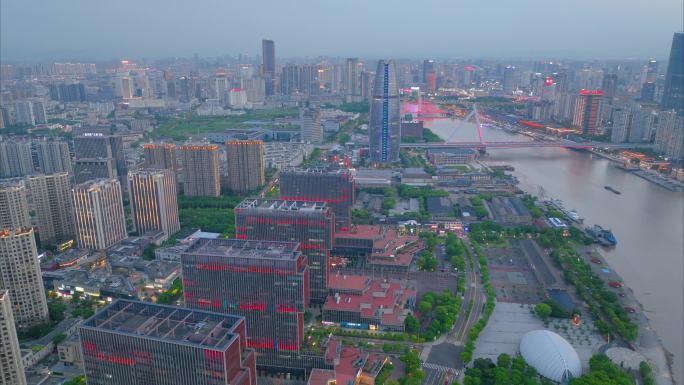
(551, 355)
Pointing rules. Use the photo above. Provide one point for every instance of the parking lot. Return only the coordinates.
(511, 275)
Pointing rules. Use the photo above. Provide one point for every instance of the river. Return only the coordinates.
(647, 220)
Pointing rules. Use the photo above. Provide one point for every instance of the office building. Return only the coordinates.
(51, 197)
(335, 187)
(130, 342)
(200, 169)
(352, 79)
(160, 156)
(20, 276)
(53, 156)
(23, 113)
(96, 155)
(310, 125)
(642, 124)
(265, 282)
(621, 121)
(154, 205)
(268, 66)
(385, 125)
(673, 94)
(14, 210)
(511, 78)
(99, 213)
(669, 139)
(588, 112)
(289, 80)
(245, 161)
(15, 159)
(609, 86)
(11, 367)
(429, 76)
(87, 169)
(309, 223)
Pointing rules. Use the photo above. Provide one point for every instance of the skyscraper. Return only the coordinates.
(15, 158)
(310, 125)
(266, 282)
(309, 223)
(335, 187)
(268, 66)
(385, 125)
(131, 342)
(53, 156)
(11, 367)
(245, 160)
(429, 76)
(51, 196)
(352, 79)
(609, 86)
(14, 211)
(154, 204)
(20, 275)
(588, 111)
(621, 119)
(99, 213)
(160, 156)
(200, 169)
(669, 138)
(673, 95)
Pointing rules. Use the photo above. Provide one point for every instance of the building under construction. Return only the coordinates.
(309, 223)
(335, 187)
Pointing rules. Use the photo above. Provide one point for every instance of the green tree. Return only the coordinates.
(542, 310)
(411, 324)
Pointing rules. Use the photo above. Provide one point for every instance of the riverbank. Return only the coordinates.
(653, 177)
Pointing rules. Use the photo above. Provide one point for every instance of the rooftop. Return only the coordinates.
(166, 323)
(237, 248)
(282, 205)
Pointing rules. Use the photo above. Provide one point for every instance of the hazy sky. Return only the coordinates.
(114, 29)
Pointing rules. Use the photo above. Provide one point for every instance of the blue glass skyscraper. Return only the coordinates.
(673, 95)
(385, 126)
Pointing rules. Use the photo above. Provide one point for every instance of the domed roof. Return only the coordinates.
(551, 355)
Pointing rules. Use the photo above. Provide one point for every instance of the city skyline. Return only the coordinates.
(429, 30)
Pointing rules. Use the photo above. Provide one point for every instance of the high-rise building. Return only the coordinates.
(588, 111)
(511, 78)
(641, 125)
(200, 169)
(265, 282)
(53, 156)
(289, 80)
(245, 161)
(309, 223)
(51, 197)
(621, 121)
(99, 213)
(130, 342)
(669, 138)
(310, 125)
(15, 159)
(352, 79)
(23, 113)
(268, 66)
(11, 367)
(87, 169)
(154, 205)
(95, 154)
(39, 113)
(20, 275)
(385, 125)
(14, 211)
(160, 156)
(673, 95)
(335, 187)
(609, 86)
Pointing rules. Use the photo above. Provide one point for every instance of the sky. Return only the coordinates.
(443, 29)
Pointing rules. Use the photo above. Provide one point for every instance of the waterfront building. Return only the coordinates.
(20, 275)
(669, 139)
(309, 223)
(11, 367)
(310, 125)
(154, 205)
(159, 156)
(15, 158)
(335, 187)
(53, 156)
(245, 165)
(99, 213)
(131, 342)
(265, 282)
(51, 197)
(588, 112)
(14, 211)
(385, 124)
(200, 169)
(673, 94)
